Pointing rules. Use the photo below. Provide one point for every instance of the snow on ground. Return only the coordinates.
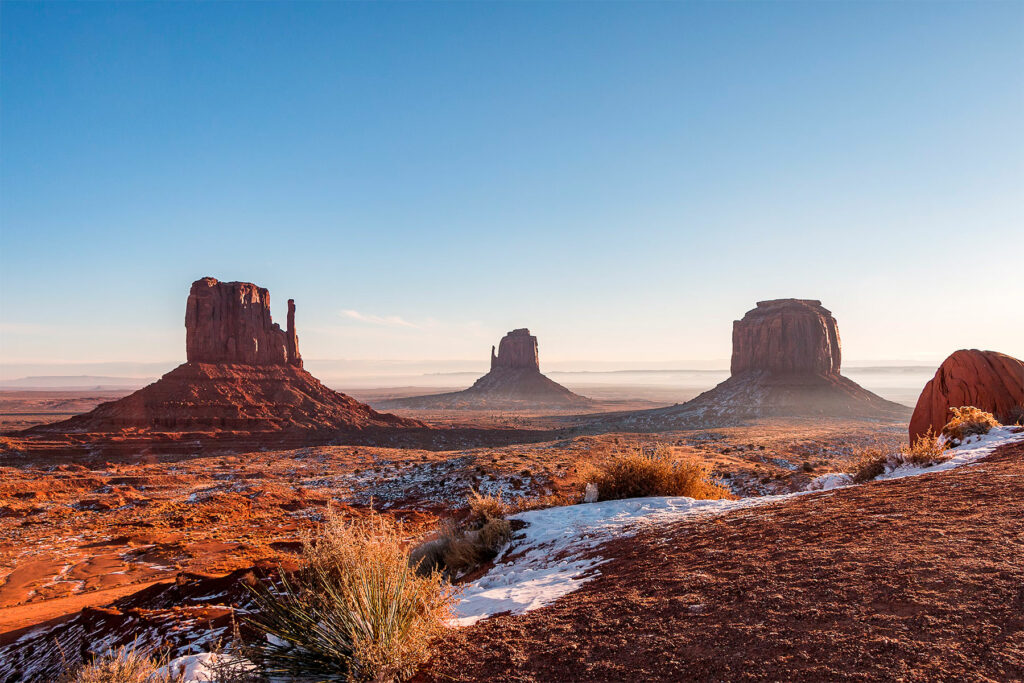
(201, 668)
(554, 555)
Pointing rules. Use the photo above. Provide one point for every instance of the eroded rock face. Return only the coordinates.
(229, 322)
(784, 337)
(991, 381)
(517, 349)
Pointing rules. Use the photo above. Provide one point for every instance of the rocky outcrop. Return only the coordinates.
(514, 382)
(786, 336)
(991, 381)
(785, 363)
(244, 376)
(229, 322)
(517, 349)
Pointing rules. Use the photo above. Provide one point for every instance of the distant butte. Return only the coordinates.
(786, 357)
(243, 380)
(514, 381)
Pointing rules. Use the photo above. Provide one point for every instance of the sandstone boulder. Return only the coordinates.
(991, 381)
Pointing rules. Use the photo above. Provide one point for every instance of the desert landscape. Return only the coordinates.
(609, 342)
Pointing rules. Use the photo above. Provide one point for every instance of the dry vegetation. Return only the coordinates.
(926, 451)
(636, 474)
(357, 610)
(124, 665)
(968, 421)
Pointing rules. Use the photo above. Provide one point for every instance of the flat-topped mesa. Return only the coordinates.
(786, 337)
(517, 349)
(229, 322)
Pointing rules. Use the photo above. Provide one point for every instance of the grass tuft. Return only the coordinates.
(357, 610)
(124, 665)
(635, 474)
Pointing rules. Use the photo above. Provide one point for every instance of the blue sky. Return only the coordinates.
(624, 179)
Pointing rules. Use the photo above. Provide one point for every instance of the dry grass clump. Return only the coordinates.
(357, 611)
(968, 421)
(926, 451)
(124, 665)
(635, 474)
(460, 548)
(869, 463)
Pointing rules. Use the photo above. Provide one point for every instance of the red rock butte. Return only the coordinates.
(244, 377)
(991, 381)
(514, 381)
(786, 358)
(786, 336)
(229, 322)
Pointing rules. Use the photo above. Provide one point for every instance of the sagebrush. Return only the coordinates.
(636, 474)
(968, 421)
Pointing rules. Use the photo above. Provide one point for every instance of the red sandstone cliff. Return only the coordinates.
(991, 381)
(786, 336)
(229, 322)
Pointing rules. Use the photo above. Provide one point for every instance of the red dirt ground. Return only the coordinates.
(919, 579)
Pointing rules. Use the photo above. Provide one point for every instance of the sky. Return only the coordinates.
(623, 179)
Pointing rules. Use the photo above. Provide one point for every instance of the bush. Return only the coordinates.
(124, 665)
(926, 451)
(870, 463)
(635, 474)
(356, 611)
(968, 421)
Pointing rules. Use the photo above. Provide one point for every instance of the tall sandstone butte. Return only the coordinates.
(244, 376)
(786, 357)
(514, 381)
(517, 349)
(991, 381)
(786, 336)
(229, 322)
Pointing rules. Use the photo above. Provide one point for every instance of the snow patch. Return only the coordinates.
(554, 555)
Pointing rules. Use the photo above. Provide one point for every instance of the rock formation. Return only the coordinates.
(786, 336)
(785, 362)
(229, 322)
(244, 376)
(991, 381)
(517, 349)
(514, 381)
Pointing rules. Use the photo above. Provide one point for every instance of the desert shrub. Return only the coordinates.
(484, 506)
(927, 450)
(357, 610)
(868, 464)
(636, 474)
(124, 665)
(1014, 416)
(968, 421)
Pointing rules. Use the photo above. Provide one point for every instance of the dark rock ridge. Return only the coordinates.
(515, 381)
(229, 322)
(991, 381)
(244, 376)
(785, 363)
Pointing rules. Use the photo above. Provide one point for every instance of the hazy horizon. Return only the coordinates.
(623, 179)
